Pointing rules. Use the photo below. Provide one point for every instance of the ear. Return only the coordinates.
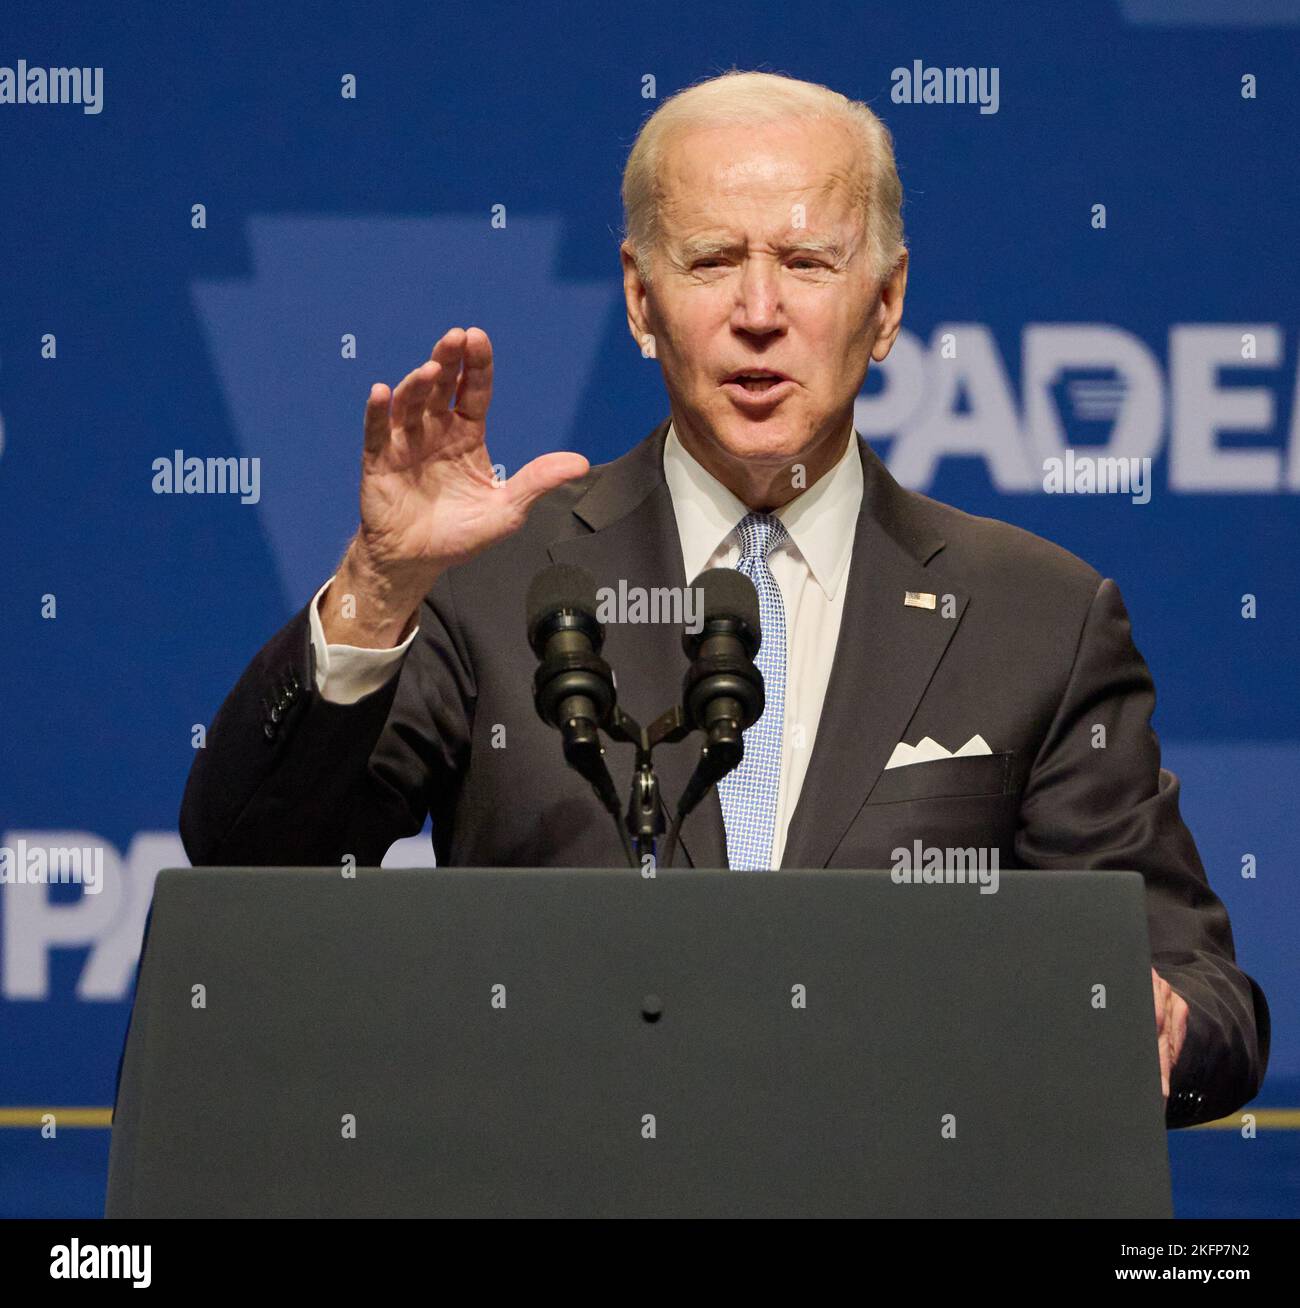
(635, 295)
(892, 291)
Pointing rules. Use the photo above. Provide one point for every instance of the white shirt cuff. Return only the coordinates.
(347, 673)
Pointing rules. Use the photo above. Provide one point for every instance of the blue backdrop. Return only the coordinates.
(188, 251)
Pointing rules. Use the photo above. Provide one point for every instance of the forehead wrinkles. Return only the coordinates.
(695, 193)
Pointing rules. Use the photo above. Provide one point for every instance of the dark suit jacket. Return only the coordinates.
(1036, 654)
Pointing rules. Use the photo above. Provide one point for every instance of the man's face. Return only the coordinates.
(763, 264)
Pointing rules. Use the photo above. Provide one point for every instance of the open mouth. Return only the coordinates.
(757, 381)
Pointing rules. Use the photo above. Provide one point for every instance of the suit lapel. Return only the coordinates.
(634, 539)
(884, 658)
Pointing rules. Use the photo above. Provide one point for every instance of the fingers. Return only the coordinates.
(429, 387)
(377, 417)
(1178, 1018)
(409, 397)
(1172, 1014)
(474, 392)
(1161, 993)
(1158, 988)
(459, 368)
(543, 474)
(447, 354)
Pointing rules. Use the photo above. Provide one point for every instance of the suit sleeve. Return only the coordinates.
(1116, 807)
(289, 779)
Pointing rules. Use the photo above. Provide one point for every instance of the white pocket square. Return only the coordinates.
(928, 748)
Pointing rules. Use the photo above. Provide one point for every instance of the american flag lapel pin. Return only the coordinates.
(918, 599)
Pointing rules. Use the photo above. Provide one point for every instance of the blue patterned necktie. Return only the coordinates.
(749, 793)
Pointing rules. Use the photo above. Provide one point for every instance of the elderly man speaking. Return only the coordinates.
(928, 673)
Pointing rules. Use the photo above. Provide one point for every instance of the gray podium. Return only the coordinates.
(542, 1042)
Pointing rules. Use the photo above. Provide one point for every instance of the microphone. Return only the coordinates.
(722, 693)
(573, 687)
(723, 689)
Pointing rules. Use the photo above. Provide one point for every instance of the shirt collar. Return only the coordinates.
(821, 520)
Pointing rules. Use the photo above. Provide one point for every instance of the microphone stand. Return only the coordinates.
(645, 819)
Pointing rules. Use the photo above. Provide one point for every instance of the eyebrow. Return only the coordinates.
(697, 247)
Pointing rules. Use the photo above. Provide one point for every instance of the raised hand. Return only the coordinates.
(429, 500)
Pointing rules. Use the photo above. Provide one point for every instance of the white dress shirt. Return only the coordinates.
(811, 568)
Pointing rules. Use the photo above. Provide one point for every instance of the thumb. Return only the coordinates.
(544, 474)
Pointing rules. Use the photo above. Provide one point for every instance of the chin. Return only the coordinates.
(776, 438)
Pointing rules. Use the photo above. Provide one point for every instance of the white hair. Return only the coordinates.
(748, 98)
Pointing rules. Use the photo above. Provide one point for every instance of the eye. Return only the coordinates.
(812, 263)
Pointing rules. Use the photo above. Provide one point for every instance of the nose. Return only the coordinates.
(758, 307)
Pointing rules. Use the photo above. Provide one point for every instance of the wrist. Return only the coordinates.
(368, 606)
